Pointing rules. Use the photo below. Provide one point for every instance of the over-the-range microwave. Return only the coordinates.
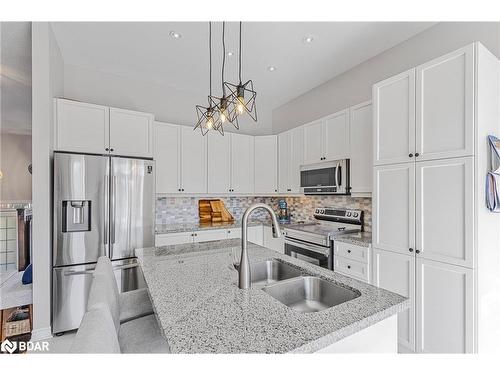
(325, 178)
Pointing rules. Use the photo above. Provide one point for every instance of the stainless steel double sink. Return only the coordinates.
(303, 293)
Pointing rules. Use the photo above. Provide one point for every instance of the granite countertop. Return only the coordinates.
(200, 308)
(361, 238)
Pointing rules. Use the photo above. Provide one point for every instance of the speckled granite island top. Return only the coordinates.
(196, 299)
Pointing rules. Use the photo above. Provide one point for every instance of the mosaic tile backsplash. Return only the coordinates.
(185, 209)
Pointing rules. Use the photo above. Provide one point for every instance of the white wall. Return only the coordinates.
(47, 81)
(168, 104)
(15, 157)
(354, 86)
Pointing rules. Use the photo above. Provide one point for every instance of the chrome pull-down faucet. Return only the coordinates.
(244, 268)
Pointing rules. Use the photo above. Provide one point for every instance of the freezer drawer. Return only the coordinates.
(71, 287)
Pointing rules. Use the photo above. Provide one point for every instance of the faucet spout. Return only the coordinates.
(244, 281)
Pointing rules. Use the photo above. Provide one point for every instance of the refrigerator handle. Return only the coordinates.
(106, 210)
(113, 211)
(74, 273)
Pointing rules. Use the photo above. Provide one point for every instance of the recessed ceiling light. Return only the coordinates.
(175, 35)
(308, 39)
(271, 68)
(230, 53)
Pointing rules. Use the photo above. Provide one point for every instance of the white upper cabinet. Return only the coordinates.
(242, 164)
(91, 128)
(396, 272)
(284, 153)
(291, 156)
(314, 143)
(361, 143)
(193, 161)
(296, 158)
(336, 136)
(266, 164)
(445, 106)
(327, 139)
(81, 127)
(394, 208)
(394, 119)
(167, 142)
(445, 210)
(445, 308)
(130, 133)
(219, 163)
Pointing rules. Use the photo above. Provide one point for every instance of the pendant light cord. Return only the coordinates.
(239, 69)
(210, 54)
(223, 57)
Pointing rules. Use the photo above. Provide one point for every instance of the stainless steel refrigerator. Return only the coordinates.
(103, 205)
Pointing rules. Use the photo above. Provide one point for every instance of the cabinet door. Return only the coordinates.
(445, 308)
(130, 133)
(284, 162)
(266, 164)
(445, 210)
(296, 159)
(445, 106)
(361, 143)
(336, 136)
(396, 272)
(242, 163)
(210, 235)
(313, 143)
(193, 161)
(173, 238)
(219, 162)
(394, 207)
(81, 127)
(256, 235)
(394, 119)
(167, 157)
(276, 244)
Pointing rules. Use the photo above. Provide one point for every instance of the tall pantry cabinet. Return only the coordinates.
(434, 241)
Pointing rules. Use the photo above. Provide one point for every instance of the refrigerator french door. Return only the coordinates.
(103, 205)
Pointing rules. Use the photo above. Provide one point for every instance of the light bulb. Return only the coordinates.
(223, 117)
(240, 106)
(210, 123)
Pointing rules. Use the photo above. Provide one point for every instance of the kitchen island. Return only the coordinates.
(193, 288)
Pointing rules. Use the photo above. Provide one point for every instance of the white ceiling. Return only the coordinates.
(145, 51)
(15, 77)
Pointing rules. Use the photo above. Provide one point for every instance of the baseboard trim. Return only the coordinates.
(41, 334)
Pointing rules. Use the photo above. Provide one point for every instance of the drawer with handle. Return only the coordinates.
(350, 251)
(352, 268)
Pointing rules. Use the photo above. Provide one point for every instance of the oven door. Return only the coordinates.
(319, 255)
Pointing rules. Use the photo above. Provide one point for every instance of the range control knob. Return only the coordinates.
(355, 214)
(317, 211)
(322, 211)
(348, 214)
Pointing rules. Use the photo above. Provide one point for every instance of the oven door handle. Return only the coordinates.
(311, 247)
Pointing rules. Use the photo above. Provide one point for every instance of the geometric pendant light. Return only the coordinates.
(225, 107)
(208, 117)
(242, 95)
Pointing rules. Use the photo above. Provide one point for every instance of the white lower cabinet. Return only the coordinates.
(445, 300)
(173, 238)
(396, 272)
(210, 235)
(276, 244)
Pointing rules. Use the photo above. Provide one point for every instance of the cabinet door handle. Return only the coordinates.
(410, 155)
(410, 250)
(417, 154)
(107, 148)
(349, 251)
(417, 251)
(349, 267)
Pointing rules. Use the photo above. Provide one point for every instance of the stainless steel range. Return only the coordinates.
(313, 241)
